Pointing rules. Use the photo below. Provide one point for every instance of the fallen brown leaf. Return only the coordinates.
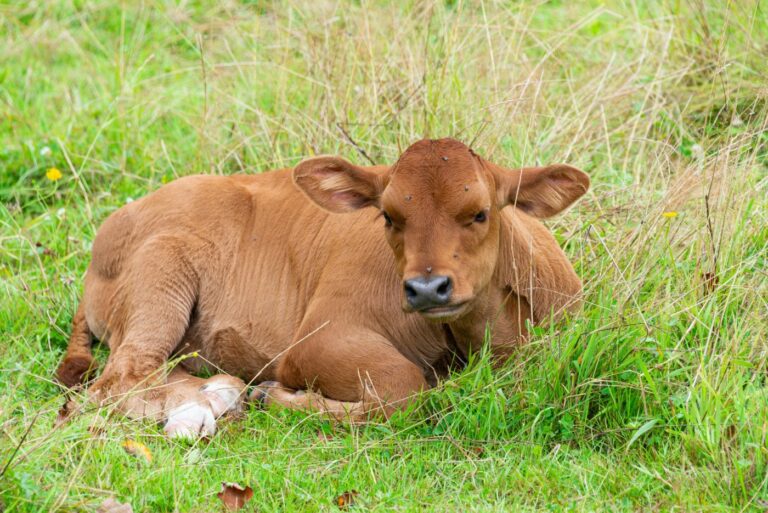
(44, 250)
(138, 449)
(711, 281)
(97, 431)
(63, 414)
(346, 499)
(234, 496)
(113, 506)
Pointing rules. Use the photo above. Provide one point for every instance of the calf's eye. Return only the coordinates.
(387, 219)
(481, 217)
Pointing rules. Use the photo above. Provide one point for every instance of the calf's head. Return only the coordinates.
(440, 204)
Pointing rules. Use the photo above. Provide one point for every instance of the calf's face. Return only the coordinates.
(440, 205)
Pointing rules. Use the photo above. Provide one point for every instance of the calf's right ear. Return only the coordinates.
(340, 186)
(540, 191)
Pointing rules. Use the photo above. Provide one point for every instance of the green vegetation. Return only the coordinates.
(654, 398)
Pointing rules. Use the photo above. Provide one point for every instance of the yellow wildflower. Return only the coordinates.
(670, 214)
(137, 449)
(53, 174)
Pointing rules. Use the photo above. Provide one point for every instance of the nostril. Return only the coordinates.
(410, 292)
(445, 288)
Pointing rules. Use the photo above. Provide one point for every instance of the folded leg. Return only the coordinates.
(348, 376)
(155, 301)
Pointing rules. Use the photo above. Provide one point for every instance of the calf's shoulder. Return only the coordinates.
(532, 264)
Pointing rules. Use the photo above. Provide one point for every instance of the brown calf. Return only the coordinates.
(345, 313)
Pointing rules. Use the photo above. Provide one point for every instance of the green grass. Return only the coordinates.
(653, 398)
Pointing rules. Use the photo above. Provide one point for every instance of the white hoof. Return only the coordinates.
(191, 421)
(224, 395)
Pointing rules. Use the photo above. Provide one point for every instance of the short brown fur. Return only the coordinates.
(266, 286)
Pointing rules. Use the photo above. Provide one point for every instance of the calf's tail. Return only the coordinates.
(78, 360)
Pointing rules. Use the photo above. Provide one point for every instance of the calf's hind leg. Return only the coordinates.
(194, 415)
(154, 303)
(348, 377)
(273, 392)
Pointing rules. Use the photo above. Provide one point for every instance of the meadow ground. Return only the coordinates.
(654, 398)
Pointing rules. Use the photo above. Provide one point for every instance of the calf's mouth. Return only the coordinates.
(445, 312)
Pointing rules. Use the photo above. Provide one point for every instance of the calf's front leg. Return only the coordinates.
(154, 304)
(347, 376)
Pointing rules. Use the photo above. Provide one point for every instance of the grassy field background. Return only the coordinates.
(654, 398)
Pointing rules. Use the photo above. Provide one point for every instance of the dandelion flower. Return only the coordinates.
(53, 174)
(670, 214)
(138, 449)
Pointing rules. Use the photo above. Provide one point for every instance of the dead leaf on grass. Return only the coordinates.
(63, 414)
(42, 250)
(113, 506)
(138, 449)
(346, 499)
(97, 431)
(234, 496)
(711, 281)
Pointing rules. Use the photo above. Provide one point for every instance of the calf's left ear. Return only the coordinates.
(540, 191)
(340, 186)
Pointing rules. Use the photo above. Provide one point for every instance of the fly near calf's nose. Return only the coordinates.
(427, 292)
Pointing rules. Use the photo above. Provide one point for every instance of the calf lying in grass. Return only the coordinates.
(363, 310)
